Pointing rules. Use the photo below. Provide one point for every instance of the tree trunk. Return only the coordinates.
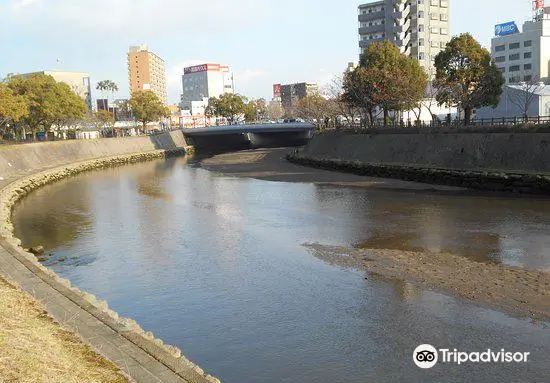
(467, 116)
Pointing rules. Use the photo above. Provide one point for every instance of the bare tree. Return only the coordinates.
(524, 94)
(334, 91)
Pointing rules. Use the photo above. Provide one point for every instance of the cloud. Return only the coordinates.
(23, 3)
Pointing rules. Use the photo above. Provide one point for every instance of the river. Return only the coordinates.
(217, 266)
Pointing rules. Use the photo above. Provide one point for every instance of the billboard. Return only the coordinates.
(195, 69)
(538, 5)
(276, 90)
(506, 29)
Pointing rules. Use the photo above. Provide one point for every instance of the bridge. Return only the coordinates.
(231, 137)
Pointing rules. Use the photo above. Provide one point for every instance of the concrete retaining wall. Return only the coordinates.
(500, 161)
(518, 152)
(25, 158)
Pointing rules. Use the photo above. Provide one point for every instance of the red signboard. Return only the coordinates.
(538, 4)
(276, 90)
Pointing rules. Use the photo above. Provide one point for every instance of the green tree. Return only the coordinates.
(466, 76)
(147, 107)
(398, 81)
(12, 107)
(49, 102)
(255, 110)
(385, 79)
(228, 105)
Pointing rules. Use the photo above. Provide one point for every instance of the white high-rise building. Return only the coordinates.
(419, 28)
(201, 82)
(525, 55)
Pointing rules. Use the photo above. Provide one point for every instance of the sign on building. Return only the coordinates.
(506, 29)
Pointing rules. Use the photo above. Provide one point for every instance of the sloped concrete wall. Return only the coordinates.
(511, 152)
(26, 158)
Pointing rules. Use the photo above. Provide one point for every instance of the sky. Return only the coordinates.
(264, 41)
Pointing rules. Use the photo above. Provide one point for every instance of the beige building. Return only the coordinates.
(420, 28)
(146, 71)
(79, 82)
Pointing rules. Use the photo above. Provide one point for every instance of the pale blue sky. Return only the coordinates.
(264, 41)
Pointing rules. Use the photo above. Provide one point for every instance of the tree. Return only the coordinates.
(228, 105)
(466, 76)
(12, 107)
(147, 107)
(274, 110)
(334, 92)
(399, 82)
(49, 102)
(524, 94)
(105, 119)
(313, 107)
(107, 85)
(385, 79)
(255, 110)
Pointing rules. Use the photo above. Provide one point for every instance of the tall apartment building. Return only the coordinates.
(201, 82)
(79, 82)
(419, 28)
(146, 71)
(291, 93)
(525, 55)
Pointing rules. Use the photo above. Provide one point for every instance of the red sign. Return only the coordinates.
(276, 90)
(538, 4)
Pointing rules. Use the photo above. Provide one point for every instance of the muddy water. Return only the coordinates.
(216, 265)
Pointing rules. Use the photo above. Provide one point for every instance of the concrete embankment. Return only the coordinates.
(27, 167)
(498, 161)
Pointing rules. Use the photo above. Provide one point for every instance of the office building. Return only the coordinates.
(200, 82)
(291, 93)
(525, 55)
(79, 82)
(420, 28)
(146, 71)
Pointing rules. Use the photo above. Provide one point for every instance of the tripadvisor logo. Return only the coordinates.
(426, 356)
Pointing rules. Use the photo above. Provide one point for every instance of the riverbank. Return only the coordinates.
(136, 352)
(517, 291)
(271, 165)
(509, 161)
(33, 348)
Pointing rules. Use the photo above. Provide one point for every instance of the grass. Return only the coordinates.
(33, 348)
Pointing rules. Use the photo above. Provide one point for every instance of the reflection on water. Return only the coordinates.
(478, 246)
(216, 266)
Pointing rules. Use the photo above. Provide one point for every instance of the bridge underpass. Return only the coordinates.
(239, 137)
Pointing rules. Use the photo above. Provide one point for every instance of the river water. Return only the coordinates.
(216, 266)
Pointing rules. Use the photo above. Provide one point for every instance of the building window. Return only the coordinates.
(500, 59)
(527, 55)
(421, 14)
(434, 30)
(514, 45)
(503, 69)
(514, 57)
(527, 67)
(514, 68)
(527, 43)
(420, 42)
(444, 17)
(500, 48)
(443, 31)
(528, 78)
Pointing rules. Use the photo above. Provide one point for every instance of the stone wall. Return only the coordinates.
(20, 159)
(499, 161)
(507, 151)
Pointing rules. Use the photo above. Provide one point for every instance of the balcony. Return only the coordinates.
(372, 29)
(371, 16)
(366, 43)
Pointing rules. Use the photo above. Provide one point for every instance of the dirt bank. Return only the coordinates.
(271, 165)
